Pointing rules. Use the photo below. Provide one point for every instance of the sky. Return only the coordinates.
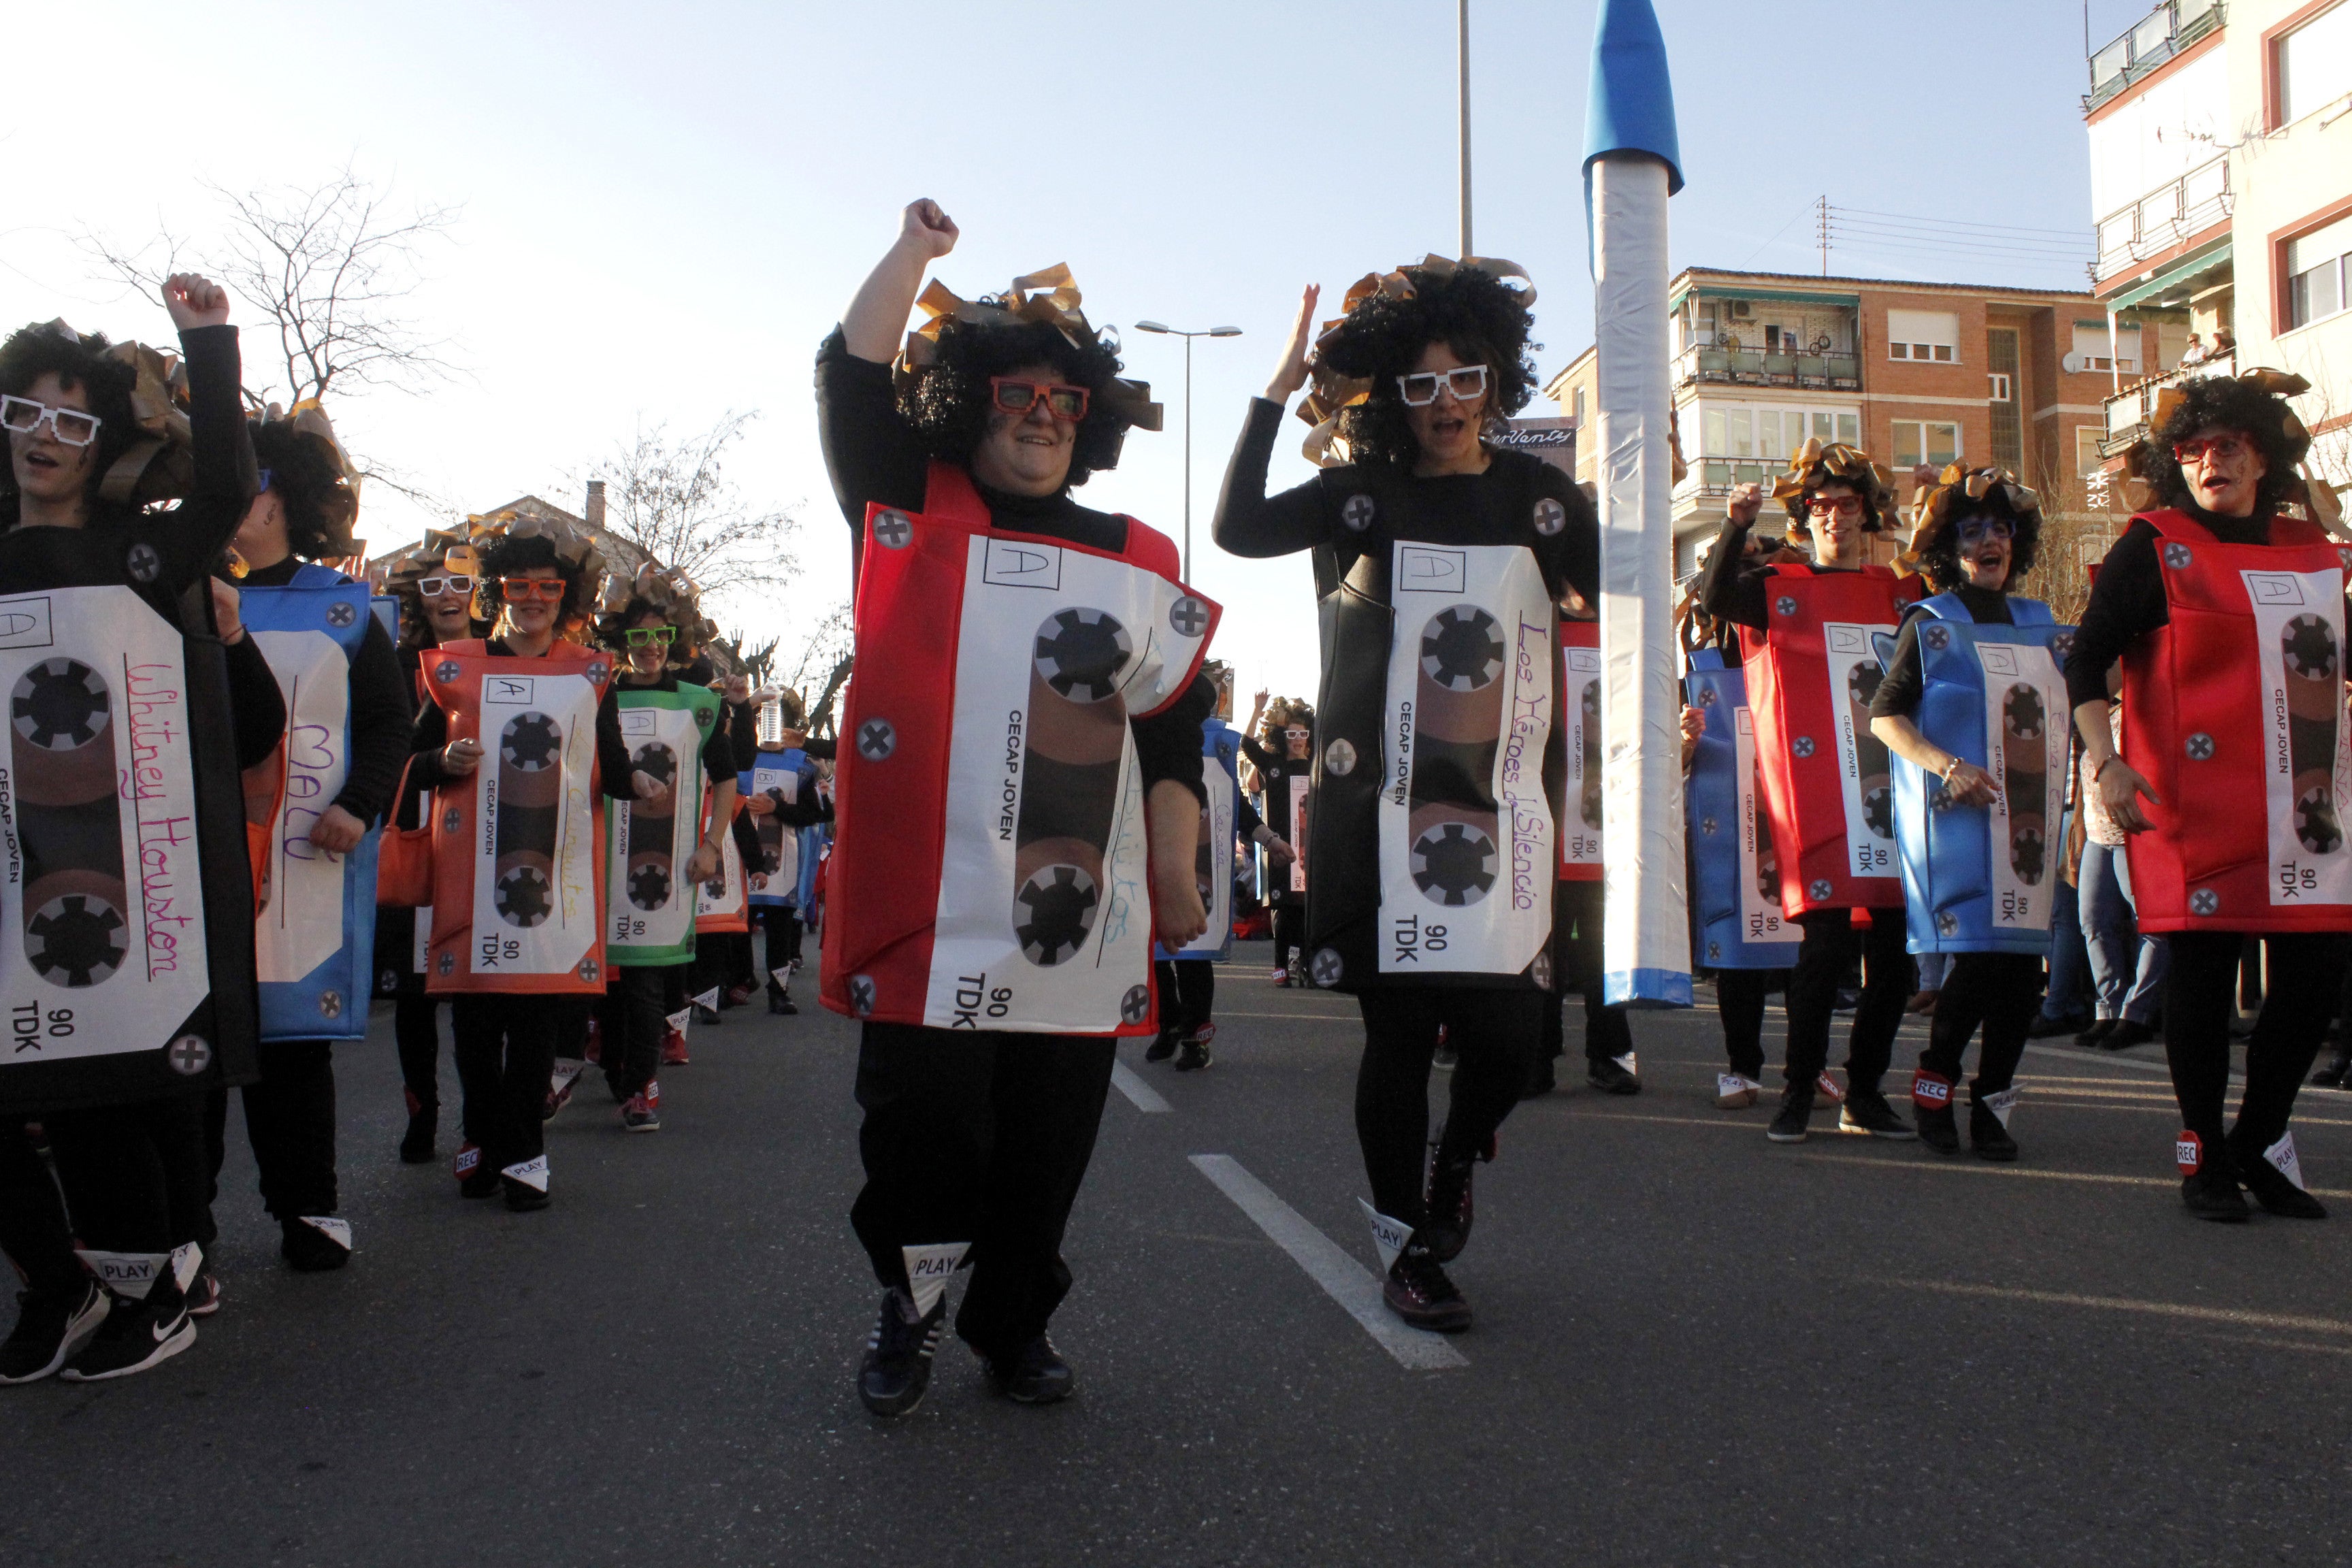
(662, 210)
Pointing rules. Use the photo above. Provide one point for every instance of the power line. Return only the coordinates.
(2034, 247)
(1957, 223)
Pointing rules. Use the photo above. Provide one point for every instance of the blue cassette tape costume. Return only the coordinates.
(1980, 880)
(1735, 879)
(314, 944)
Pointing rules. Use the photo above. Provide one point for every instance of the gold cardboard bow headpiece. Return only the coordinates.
(573, 548)
(1050, 297)
(672, 595)
(1329, 392)
(1850, 464)
(339, 511)
(160, 465)
(1933, 508)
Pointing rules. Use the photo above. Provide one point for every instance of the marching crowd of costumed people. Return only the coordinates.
(515, 782)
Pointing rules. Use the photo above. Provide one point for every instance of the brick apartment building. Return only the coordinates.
(1913, 372)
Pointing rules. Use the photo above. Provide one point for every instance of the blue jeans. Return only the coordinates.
(2070, 966)
(2127, 968)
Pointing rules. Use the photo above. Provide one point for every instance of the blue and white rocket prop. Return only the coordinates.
(1632, 163)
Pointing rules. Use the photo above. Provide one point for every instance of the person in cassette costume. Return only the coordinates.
(1440, 765)
(540, 580)
(2226, 615)
(646, 618)
(780, 786)
(1976, 538)
(309, 499)
(138, 1005)
(975, 1139)
(1282, 750)
(439, 594)
(1811, 670)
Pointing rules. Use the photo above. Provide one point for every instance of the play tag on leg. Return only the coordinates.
(781, 975)
(1389, 1235)
(708, 999)
(531, 1174)
(929, 1270)
(186, 1259)
(567, 1069)
(127, 1274)
(2282, 1155)
(1631, 1062)
(679, 1019)
(2001, 1104)
(338, 1231)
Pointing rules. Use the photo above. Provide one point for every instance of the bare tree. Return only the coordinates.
(330, 266)
(671, 498)
(828, 644)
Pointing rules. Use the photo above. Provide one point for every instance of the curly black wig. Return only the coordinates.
(509, 556)
(78, 364)
(306, 475)
(1481, 318)
(1937, 542)
(949, 402)
(2234, 403)
(612, 627)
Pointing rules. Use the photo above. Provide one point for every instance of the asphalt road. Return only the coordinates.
(1692, 1347)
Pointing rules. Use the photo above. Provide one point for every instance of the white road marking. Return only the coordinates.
(1146, 1098)
(1328, 1264)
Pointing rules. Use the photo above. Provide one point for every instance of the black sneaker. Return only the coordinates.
(1987, 1134)
(2269, 1186)
(1796, 1111)
(2213, 1195)
(1194, 1055)
(1866, 1111)
(417, 1143)
(705, 1016)
(50, 1326)
(135, 1336)
(1161, 1047)
(1939, 1128)
(1611, 1076)
(314, 1248)
(781, 1005)
(2332, 1075)
(521, 1196)
(1417, 1290)
(1448, 1205)
(1034, 1374)
(898, 1364)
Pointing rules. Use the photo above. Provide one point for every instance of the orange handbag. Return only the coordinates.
(403, 856)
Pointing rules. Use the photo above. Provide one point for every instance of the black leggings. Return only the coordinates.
(1823, 958)
(638, 1002)
(784, 943)
(2305, 969)
(1739, 995)
(1576, 915)
(416, 1032)
(1289, 931)
(1494, 1034)
(33, 1229)
(1188, 993)
(506, 1054)
(2000, 991)
(135, 1176)
(289, 1120)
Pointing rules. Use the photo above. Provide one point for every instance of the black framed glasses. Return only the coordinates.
(1977, 530)
(71, 426)
(1420, 389)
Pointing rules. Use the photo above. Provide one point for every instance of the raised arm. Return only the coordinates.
(877, 312)
(1249, 521)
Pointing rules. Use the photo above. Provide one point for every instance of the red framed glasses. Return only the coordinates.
(2197, 449)
(1842, 506)
(522, 590)
(1014, 395)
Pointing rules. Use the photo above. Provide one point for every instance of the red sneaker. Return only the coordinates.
(672, 1051)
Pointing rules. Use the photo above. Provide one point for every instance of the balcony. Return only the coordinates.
(2154, 39)
(1726, 364)
(2165, 216)
(2128, 411)
(1721, 476)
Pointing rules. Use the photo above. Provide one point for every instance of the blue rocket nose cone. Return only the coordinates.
(1630, 106)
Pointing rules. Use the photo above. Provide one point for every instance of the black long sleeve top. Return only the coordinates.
(1897, 696)
(1732, 588)
(873, 457)
(425, 770)
(381, 698)
(1276, 771)
(1469, 509)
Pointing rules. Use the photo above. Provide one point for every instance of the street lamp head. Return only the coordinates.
(1153, 327)
(1225, 332)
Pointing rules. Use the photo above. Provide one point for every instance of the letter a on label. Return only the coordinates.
(929, 1270)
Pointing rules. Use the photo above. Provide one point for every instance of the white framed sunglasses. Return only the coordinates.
(448, 583)
(1420, 388)
(71, 426)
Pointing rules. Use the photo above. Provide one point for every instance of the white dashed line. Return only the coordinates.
(1146, 1098)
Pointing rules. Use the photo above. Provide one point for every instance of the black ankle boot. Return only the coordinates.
(1987, 1134)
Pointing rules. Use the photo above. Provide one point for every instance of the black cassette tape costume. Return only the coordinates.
(1430, 850)
(125, 664)
(975, 1144)
(309, 503)
(1284, 756)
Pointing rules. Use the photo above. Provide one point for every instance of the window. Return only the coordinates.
(2314, 64)
(1931, 335)
(1743, 442)
(2001, 389)
(1580, 407)
(2087, 460)
(2316, 267)
(1926, 441)
(2090, 344)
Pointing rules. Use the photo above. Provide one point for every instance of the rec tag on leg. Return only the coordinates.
(2282, 1155)
(1388, 1235)
(2188, 1153)
(1933, 1092)
(929, 1270)
(2001, 1104)
(531, 1174)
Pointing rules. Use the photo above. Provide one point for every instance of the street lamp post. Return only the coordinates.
(1167, 331)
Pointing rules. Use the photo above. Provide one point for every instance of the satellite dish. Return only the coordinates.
(2074, 363)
